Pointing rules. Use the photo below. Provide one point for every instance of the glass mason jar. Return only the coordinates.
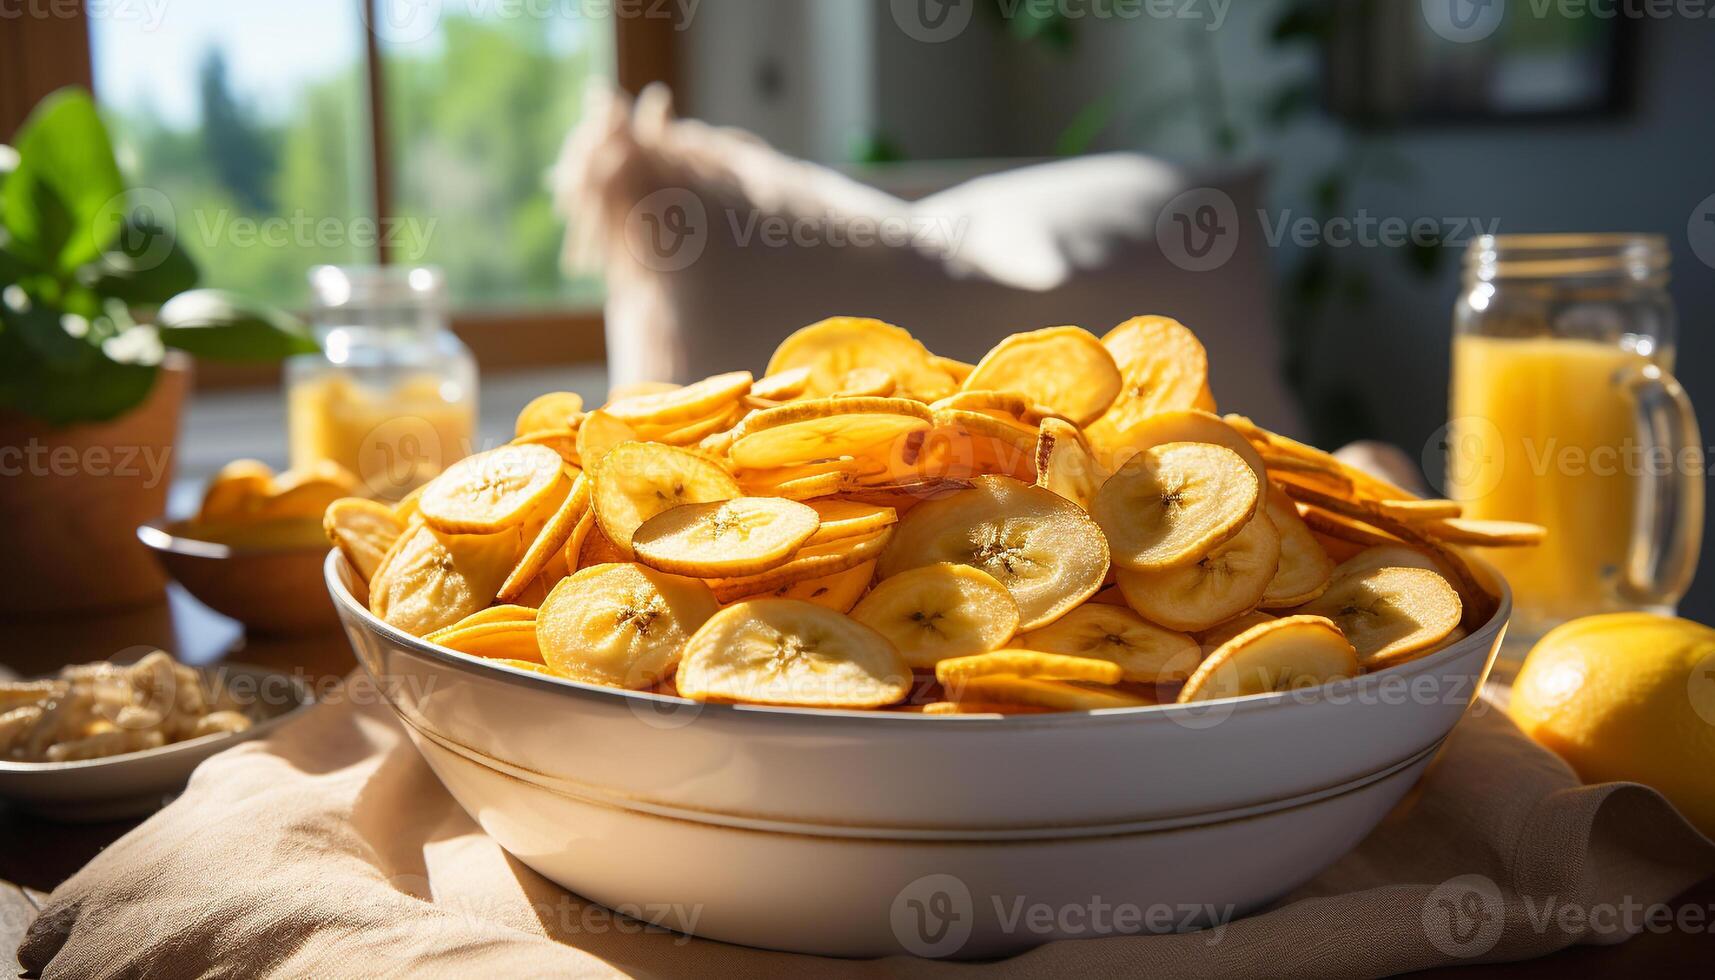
(1565, 412)
(392, 396)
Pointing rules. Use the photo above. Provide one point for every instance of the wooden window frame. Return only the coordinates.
(43, 52)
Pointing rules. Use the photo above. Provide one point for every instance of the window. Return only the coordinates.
(283, 135)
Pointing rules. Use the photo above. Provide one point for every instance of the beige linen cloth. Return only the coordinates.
(330, 850)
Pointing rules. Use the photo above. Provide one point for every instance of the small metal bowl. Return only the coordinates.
(268, 589)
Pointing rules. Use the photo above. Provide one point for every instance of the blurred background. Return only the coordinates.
(1360, 144)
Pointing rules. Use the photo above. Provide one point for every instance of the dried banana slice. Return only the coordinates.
(363, 531)
(867, 382)
(781, 387)
(726, 538)
(940, 611)
(1040, 546)
(783, 651)
(504, 613)
(1389, 614)
(803, 432)
(1486, 534)
(1171, 505)
(598, 434)
(238, 488)
(637, 480)
(429, 579)
(1305, 568)
(839, 591)
(1222, 584)
(849, 519)
(1215, 637)
(1064, 368)
(1179, 425)
(957, 671)
(492, 641)
(674, 409)
(620, 624)
(1162, 367)
(1065, 463)
(549, 541)
(555, 410)
(1385, 556)
(491, 491)
(1145, 652)
(1283, 655)
(811, 561)
(840, 344)
(1053, 695)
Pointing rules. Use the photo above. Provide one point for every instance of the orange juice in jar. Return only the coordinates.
(392, 396)
(1564, 412)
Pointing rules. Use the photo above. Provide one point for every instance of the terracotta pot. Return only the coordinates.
(71, 498)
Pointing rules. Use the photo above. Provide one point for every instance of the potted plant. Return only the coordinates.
(98, 314)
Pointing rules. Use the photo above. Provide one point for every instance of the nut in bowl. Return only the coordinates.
(253, 551)
(106, 740)
(1060, 553)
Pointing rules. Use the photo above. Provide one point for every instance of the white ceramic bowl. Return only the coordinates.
(825, 831)
(138, 783)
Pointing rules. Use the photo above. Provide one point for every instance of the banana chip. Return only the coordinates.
(1065, 464)
(1224, 583)
(940, 611)
(1170, 505)
(838, 345)
(956, 672)
(1064, 368)
(741, 536)
(363, 531)
(1162, 367)
(839, 591)
(1038, 545)
(492, 491)
(800, 433)
(1282, 655)
(782, 651)
(599, 433)
(430, 579)
(1179, 425)
(849, 519)
(637, 480)
(620, 624)
(550, 541)
(781, 387)
(555, 410)
(674, 408)
(1145, 653)
(1389, 613)
(1038, 693)
(1304, 567)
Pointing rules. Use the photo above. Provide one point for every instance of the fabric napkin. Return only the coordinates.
(330, 850)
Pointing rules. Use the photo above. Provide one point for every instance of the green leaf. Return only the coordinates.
(40, 328)
(1081, 132)
(63, 202)
(145, 265)
(100, 390)
(217, 324)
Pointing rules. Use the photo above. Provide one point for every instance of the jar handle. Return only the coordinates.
(1667, 521)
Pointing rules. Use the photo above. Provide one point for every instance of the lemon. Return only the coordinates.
(1628, 696)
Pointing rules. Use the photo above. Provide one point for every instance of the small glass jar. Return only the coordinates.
(1565, 413)
(392, 396)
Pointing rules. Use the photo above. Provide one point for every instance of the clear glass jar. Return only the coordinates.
(1565, 413)
(392, 396)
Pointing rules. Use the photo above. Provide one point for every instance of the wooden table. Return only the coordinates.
(201, 636)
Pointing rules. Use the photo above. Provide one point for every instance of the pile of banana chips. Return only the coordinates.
(1066, 525)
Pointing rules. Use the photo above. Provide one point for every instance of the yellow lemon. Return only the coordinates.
(1628, 696)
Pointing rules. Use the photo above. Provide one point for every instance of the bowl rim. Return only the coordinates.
(306, 699)
(163, 534)
(1486, 635)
